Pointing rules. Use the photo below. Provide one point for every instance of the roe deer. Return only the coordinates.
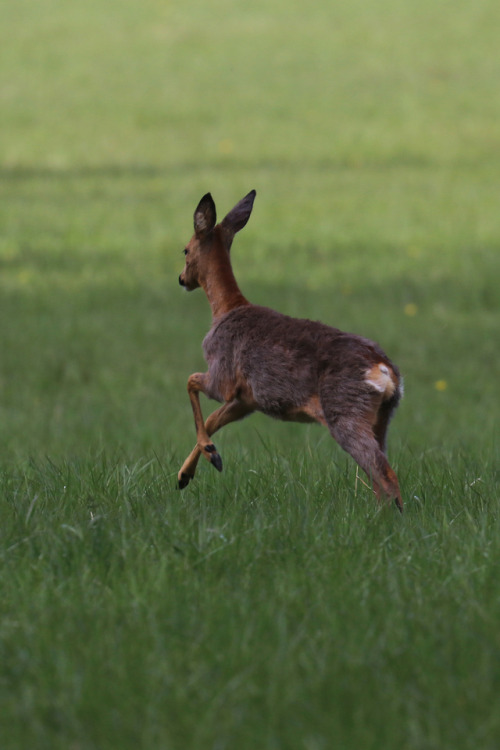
(291, 369)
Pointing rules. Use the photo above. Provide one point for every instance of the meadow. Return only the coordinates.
(274, 605)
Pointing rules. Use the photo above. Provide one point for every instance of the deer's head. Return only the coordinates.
(211, 242)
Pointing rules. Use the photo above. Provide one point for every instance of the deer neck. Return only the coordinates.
(221, 287)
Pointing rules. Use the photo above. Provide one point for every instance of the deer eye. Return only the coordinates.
(185, 251)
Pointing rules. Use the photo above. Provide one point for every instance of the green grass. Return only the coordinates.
(256, 614)
(273, 606)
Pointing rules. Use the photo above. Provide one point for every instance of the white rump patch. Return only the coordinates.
(379, 377)
(377, 384)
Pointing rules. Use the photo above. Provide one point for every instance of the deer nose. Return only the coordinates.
(180, 280)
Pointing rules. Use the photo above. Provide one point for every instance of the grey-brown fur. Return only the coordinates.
(285, 360)
(292, 369)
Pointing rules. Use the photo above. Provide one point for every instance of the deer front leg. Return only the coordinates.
(195, 384)
(229, 412)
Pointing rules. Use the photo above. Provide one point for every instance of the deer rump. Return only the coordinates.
(277, 364)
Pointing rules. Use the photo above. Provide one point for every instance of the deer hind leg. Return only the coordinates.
(356, 436)
(382, 420)
(229, 412)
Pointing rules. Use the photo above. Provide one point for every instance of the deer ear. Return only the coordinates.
(239, 215)
(205, 215)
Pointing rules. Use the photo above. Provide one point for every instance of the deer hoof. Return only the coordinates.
(212, 455)
(183, 480)
(216, 461)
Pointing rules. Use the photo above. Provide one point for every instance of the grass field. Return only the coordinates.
(273, 606)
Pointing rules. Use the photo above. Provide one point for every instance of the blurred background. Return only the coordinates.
(370, 132)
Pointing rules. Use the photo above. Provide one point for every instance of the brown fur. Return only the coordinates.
(288, 368)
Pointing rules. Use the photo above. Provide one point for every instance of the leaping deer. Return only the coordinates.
(291, 369)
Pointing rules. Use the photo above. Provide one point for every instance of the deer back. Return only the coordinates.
(282, 361)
